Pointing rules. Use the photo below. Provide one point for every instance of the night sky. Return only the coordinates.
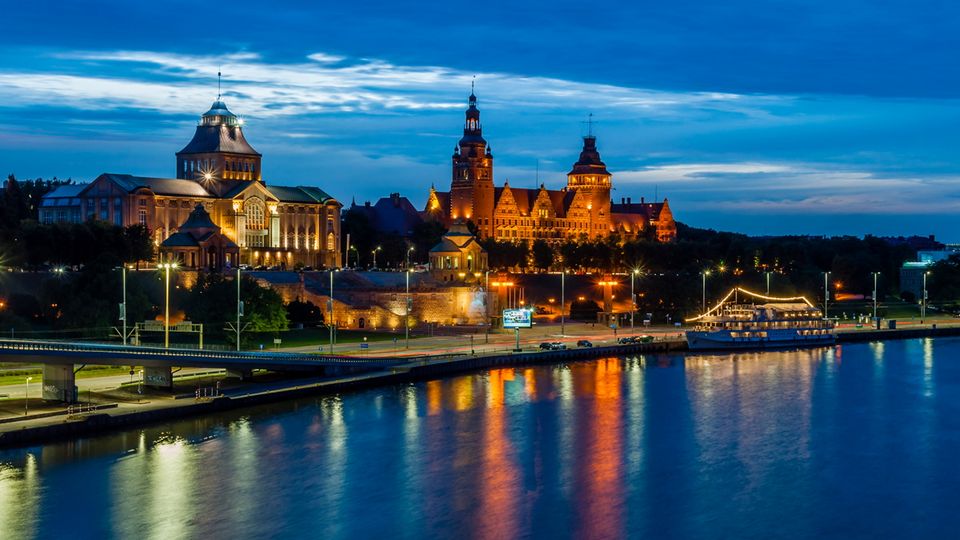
(770, 117)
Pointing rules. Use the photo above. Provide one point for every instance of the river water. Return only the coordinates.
(853, 441)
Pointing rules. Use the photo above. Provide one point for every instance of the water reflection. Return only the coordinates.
(659, 446)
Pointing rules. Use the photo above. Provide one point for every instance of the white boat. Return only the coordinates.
(778, 322)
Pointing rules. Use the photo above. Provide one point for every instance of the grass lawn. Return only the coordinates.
(318, 336)
(19, 377)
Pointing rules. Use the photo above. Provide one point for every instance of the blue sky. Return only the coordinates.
(763, 117)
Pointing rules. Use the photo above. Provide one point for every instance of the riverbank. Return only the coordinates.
(47, 429)
(58, 427)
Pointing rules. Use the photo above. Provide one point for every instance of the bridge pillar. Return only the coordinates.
(59, 383)
(242, 374)
(158, 377)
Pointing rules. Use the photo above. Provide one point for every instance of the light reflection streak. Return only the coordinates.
(928, 386)
(498, 493)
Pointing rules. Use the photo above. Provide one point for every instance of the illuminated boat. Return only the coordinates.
(766, 322)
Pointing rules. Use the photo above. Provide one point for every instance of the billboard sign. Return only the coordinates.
(517, 318)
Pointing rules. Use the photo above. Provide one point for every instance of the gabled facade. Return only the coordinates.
(271, 225)
(582, 209)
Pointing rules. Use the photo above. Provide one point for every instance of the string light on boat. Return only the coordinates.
(735, 290)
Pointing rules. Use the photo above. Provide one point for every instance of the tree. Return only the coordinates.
(542, 255)
(212, 301)
(306, 313)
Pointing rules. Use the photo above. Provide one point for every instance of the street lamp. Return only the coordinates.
(406, 334)
(704, 275)
(123, 306)
(375, 257)
(26, 398)
(412, 248)
(923, 302)
(826, 294)
(166, 295)
(563, 301)
(768, 282)
(633, 297)
(875, 274)
(330, 311)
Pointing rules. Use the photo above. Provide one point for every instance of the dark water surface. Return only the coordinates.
(856, 441)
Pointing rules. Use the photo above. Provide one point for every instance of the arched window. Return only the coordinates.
(331, 242)
(256, 222)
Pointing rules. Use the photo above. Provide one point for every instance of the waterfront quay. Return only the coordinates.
(202, 392)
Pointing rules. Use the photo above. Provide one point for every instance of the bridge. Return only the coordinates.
(59, 358)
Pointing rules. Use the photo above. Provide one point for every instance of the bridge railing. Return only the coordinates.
(155, 352)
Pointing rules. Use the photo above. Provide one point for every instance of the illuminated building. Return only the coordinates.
(581, 209)
(220, 171)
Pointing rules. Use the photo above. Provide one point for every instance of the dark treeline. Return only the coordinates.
(26, 243)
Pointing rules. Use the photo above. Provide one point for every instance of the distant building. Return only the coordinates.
(394, 215)
(219, 170)
(911, 273)
(582, 208)
(199, 244)
(458, 256)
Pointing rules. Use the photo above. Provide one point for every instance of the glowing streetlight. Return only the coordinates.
(408, 255)
(406, 313)
(375, 257)
(166, 267)
(923, 301)
(875, 274)
(704, 275)
(826, 294)
(633, 297)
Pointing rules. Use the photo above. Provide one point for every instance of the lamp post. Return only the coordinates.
(486, 303)
(239, 309)
(563, 300)
(703, 300)
(375, 257)
(406, 318)
(412, 248)
(123, 306)
(875, 274)
(633, 297)
(923, 301)
(768, 282)
(826, 295)
(166, 296)
(26, 398)
(330, 309)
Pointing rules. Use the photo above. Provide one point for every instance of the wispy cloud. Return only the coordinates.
(174, 83)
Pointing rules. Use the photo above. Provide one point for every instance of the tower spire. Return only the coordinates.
(218, 83)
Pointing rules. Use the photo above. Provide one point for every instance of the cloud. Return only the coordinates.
(322, 83)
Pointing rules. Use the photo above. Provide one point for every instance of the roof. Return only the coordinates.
(446, 245)
(218, 109)
(649, 210)
(160, 186)
(589, 162)
(218, 138)
(180, 239)
(443, 197)
(199, 218)
(65, 190)
(392, 215)
(302, 194)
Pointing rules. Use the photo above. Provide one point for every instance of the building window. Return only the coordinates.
(142, 216)
(331, 242)
(117, 211)
(256, 222)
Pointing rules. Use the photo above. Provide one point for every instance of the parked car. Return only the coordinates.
(584, 343)
(552, 346)
(545, 346)
(627, 340)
